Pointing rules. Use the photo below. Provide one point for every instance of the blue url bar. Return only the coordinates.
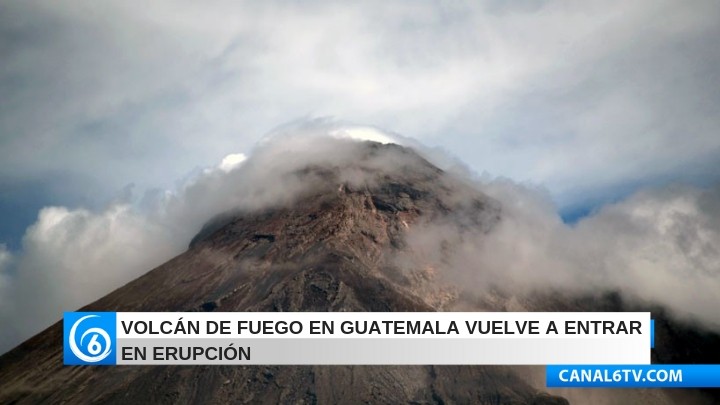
(629, 376)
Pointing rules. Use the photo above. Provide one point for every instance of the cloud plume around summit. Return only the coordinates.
(659, 245)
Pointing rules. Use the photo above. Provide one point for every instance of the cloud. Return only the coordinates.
(583, 98)
(71, 257)
(232, 161)
(5, 262)
(659, 246)
(363, 134)
(5, 258)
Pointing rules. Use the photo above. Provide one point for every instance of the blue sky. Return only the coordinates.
(589, 102)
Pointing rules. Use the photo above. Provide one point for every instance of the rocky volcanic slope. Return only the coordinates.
(330, 250)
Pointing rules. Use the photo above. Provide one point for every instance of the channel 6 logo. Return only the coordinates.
(89, 338)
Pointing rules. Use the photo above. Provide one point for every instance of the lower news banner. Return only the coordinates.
(344, 338)
(584, 349)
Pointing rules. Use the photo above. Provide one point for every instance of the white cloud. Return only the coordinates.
(364, 134)
(660, 246)
(232, 161)
(71, 257)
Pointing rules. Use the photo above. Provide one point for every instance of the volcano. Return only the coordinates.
(340, 245)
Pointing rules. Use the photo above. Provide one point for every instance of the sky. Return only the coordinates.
(107, 108)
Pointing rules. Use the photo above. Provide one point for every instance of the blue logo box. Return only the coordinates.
(89, 338)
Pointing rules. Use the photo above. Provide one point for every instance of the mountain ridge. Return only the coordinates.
(339, 246)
